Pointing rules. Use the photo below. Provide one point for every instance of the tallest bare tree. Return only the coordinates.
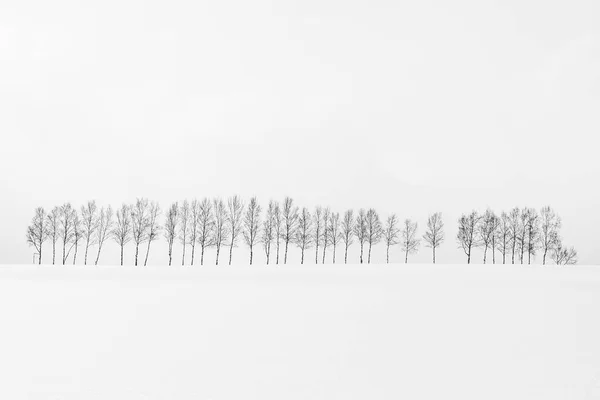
(123, 228)
(67, 222)
(290, 223)
(105, 224)
(139, 224)
(89, 224)
(251, 224)
(153, 227)
(434, 235)
(235, 209)
(550, 224)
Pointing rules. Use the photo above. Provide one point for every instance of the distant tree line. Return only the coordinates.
(221, 224)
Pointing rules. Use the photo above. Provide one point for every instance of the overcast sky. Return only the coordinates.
(408, 107)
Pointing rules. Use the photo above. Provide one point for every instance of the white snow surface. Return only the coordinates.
(300, 332)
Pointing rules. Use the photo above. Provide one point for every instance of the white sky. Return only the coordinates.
(408, 107)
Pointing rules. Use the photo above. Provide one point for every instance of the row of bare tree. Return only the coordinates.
(221, 224)
(518, 234)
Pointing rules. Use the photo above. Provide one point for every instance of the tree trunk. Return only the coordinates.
(302, 258)
(147, 251)
(75, 255)
(317, 250)
(218, 251)
(183, 258)
(369, 256)
(202, 254)
(485, 255)
(251, 255)
(544, 258)
(324, 253)
(406, 257)
(361, 252)
(346, 255)
(230, 252)
(137, 247)
(286, 252)
(54, 252)
(97, 255)
(334, 246)
(87, 245)
(193, 251)
(122, 254)
(170, 253)
(433, 254)
(277, 258)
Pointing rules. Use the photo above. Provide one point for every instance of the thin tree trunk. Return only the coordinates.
(193, 251)
(87, 245)
(137, 247)
(122, 254)
(334, 246)
(202, 254)
(251, 254)
(286, 252)
(544, 258)
(230, 252)
(387, 254)
(369, 256)
(433, 254)
(485, 255)
(406, 257)
(218, 251)
(346, 255)
(324, 253)
(75, 255)
(147, 251)
(277, 259)
(183, 258)
(361, 252)
(97, 255)
(302, 258)
(53, 252)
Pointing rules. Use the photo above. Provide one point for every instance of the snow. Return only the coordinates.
(300, 332)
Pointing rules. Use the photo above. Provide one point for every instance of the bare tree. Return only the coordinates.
(325, 237)
(123, 228)
(532, 230)
(235, 209)
(89, 224)
(277, 224)
(53, 229)
(434, 236)
(290, 222)
(154, 227)
(391, 234)
(251, 224)
(410, 242)
(184, 218)
(347, 232)
(550, 224)
(194, 226)
(171, 224)
(495, 226)
(220, 232)
(374, 230)
(303, 234)
(206, 224)
(522, 236)
(105, 224)
(317, 230)
(360, 230)
(467, 233)
(140, 221)
(485, 232)
(514, 218)
(563, 255)
(37, 232)
(77, 235)
(335, 234)
(503, 235)
(67, 228)
(268, 231)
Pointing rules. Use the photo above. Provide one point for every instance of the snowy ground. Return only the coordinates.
(371, 332)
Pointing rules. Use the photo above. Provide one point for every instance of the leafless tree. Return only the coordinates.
(563, 255)
(171, 225)
(290, 222)
(374, 230)
(317, 230)
(206, 224)
(550, 224)
(194, 226)
(140, 221)
(184, 219)
(37, 232)
(304, 235)
(514, 218)
(268, 231)
(66, 225)
(485, 232)
(325, 236)
(503, 235)
(220, 231)
(495, 226)
(77, 235)
(53, 229)
(105, 224)
(123, 228)
(235, 210)
(467, 233)
(434, 236)
(410, 242)
(347, 232)
(154, 227)
(251, 224)
(532, 230)
(89, 224)
(277, 223)
(360, 230)
(522, 236)
(391, 234)
(335, 234)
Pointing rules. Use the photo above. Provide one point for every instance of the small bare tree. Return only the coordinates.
(374, 230)
(434, 236)
(251, 224)
(410, 242)
(495, 226)
(325, 237)
(184, 219)
(391, 234)
(563, 255)
(277, 225)
(123, 228)
(171, 225)
(66, 225)
(290, 223)
(467, 233)
(485, 231)
(37, 232)
(532, 231)
(154, 227)
(335, 234)
(317, 230)
(360, 230)
(514, 218)
(206, 225)
(550, 224)
(52, 225)
(77, 235)
(235, 210)
(194, 226)
(89, 224)
(105, 225)
(220, 231)
(268, 231)
(347, 232)
(503, 235)
(140, 221)
(522, 235)
(304, 235)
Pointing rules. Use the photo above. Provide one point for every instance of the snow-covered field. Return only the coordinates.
(300, 332)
